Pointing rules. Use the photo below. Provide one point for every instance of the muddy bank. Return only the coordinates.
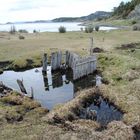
(73, 110)
(18, 65)
(4, 90)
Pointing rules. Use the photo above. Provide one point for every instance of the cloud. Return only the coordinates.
(20, 10)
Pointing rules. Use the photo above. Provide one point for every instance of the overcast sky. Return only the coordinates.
(29, 10)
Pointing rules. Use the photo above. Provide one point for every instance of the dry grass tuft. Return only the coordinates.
(71, 109)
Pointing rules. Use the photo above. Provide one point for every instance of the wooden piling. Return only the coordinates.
(56, 60)
(91, 45)
(21, 86)
(71, 58)
(44, 63)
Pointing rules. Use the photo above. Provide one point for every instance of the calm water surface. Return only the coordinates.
(50, 27)
(49, 90)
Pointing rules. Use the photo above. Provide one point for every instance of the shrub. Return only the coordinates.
(62, 29)
(89, 29)
(34, 31)
(21, 37)
(97, 28)
(23, 31)
(136, 28)
(134, 22)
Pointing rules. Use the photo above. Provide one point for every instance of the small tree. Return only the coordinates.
(62, 29)
(89, 29)
(97, 28)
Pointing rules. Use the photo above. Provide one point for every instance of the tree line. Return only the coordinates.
(123, 10)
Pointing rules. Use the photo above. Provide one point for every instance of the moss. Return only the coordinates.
(12, 99)
(29, 105)
(12, 116)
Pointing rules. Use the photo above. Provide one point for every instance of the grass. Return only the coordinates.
(120, 67)
(33, 47)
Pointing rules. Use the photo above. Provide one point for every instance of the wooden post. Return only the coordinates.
(91, 45)
(44, 63)
(21, 86)
(83, 67)
(56, 60)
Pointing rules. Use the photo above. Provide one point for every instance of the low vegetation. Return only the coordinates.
(62, 29)
(88, 29)
(118, 63)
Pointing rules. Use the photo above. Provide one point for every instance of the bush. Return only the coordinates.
(89, 29)
(97, 28)
(23, 31)
(62, 29)
(136, 28)
(35, 31)
(21, 37)
(134, 22)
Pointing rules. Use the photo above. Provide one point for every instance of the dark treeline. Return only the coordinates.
(123, 10)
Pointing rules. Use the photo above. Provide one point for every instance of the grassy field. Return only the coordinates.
(119, 66)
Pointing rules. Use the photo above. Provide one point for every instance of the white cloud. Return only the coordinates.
(27, 10)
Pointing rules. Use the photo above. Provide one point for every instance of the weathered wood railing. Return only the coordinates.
(71, 58)
(56, 60)
(83, 67)
(80, 66)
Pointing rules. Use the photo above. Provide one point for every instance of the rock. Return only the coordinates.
(135, 14)
(97, 50)
(36, 70)
(1, 89)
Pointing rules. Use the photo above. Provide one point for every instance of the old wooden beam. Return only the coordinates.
(44, 69)
(21, 86)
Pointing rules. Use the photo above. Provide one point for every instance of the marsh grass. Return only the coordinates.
(120, 67)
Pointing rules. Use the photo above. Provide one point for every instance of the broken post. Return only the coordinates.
(91, 45)
(44, 63)
(21, 86)
(56, 59)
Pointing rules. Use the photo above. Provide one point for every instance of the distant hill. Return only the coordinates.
(94, 16)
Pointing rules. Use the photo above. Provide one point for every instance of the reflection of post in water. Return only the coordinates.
(69, 75)
(84, 82)
(46, 84)
(57, 80)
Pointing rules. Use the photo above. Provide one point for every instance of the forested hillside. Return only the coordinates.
(124, 9)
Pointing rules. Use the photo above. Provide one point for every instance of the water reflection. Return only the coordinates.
(105, 111)
(59, 81)
(46, 83)
(49, 89)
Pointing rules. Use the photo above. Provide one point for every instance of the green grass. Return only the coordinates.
(120, 67)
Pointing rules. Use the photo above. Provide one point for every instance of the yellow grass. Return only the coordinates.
(120, 67)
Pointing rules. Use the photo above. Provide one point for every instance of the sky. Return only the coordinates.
(30, 10)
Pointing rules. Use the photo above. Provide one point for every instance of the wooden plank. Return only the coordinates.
(56, 60)
(83, 67)
(91, 45)
(21, 86)
(45, 63)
